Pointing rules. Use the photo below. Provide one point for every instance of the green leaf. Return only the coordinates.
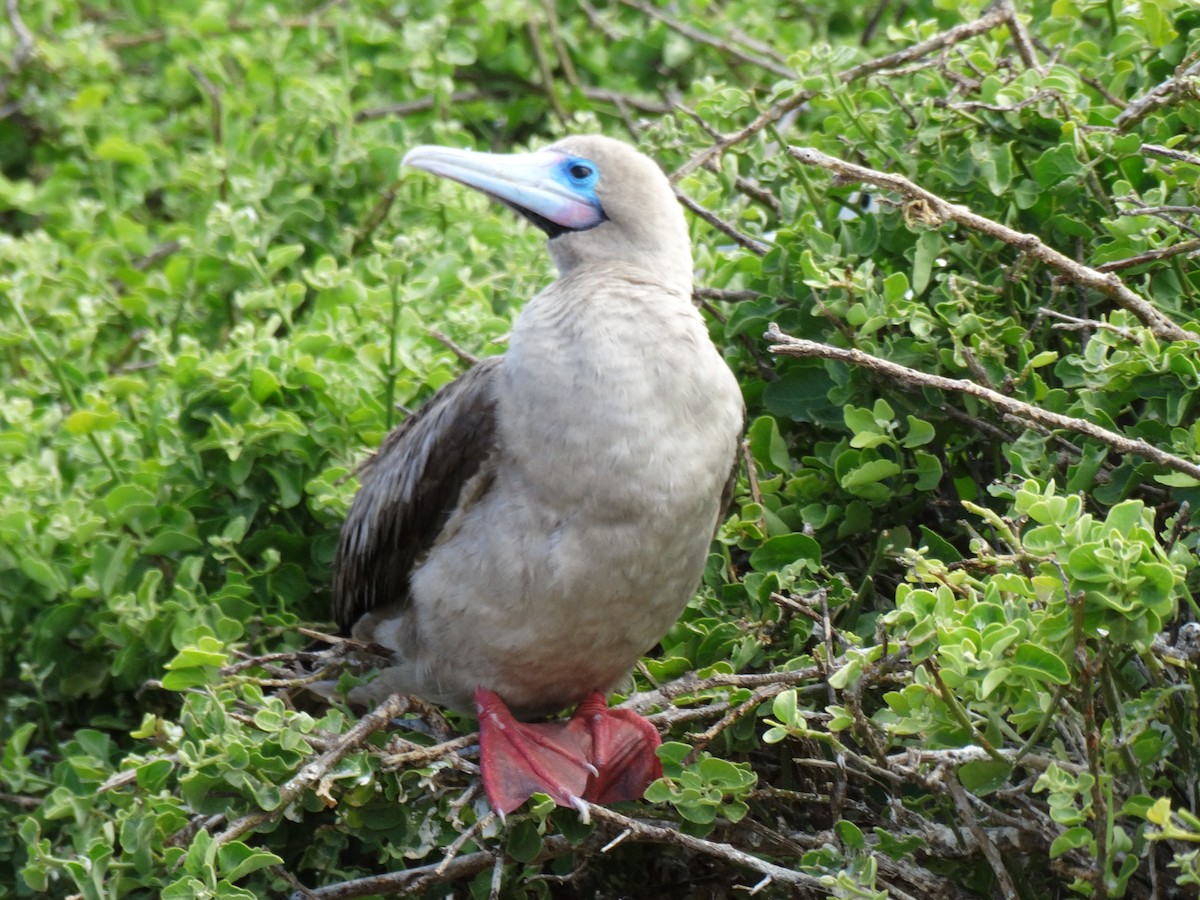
(524, 843)
(86, 421)
(169, 541)
(919, 433)
(850, 835)
(784, 550)
(1040, 664)
(115, 148)
(869, 473)
(1072, 839)
(895, 286)
(1055, 165)
(767, 445)
(984, 776)
(929, 245)
(236, 860)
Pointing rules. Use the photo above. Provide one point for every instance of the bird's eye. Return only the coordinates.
(581, 172)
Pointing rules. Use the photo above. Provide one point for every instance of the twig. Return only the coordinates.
(214, 96)
(692, 684)
(560, 48)
(464, 356)
(24, 802)
(422, 878)
(1170, 153)
(1158, 210)
(703, 37)
(756, 247)
(1020, 36)
(312, 773)
(790, 346)
(1150, 256)
(726, 295)
(931, 209)
(993, 18)
(26, 43)
(548, 81)
(295, 23)
(409, 107)
(1160, 95)
(770, 115)
(459, 842)
(423, 756)
(1074, 323)
(967, 816)
(756, 699)
(654, 834)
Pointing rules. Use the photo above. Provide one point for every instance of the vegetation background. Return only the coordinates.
(947, 642)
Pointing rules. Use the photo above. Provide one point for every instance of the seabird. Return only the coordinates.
(539, 524)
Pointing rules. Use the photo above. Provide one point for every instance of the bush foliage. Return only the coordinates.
(939, 650)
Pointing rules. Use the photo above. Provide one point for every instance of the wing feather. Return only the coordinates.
(409, 489)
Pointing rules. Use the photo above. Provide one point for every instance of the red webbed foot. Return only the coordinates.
(602, 755)
(622, 750)
(518, 759)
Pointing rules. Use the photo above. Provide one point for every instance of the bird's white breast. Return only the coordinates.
(618, 424)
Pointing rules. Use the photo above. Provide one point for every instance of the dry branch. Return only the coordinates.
(312, 773)
(1170, 153)
(703, 37)
(26, 45)
(756, 247)
(1151, 256)
(789, 346)
(644, 832)
(421, 878)
(1182, 82)
(935, 210)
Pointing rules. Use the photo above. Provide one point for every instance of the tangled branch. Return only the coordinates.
(933, 210)
(785, 345)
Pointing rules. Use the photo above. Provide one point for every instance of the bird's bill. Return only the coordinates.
(531, 183)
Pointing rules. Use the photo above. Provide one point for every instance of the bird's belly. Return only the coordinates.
(545, 607)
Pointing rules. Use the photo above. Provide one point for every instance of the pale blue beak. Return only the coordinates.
(537, 185)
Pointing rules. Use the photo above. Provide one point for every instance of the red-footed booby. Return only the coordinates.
(541, 522)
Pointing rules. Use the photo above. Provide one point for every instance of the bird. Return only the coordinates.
(524, 537)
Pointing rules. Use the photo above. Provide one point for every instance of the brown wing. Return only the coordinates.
(409, 489)
(731, 481)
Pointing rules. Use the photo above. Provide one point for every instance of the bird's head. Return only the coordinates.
(598, 200)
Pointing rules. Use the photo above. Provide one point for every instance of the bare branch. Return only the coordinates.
(26, 44)
(933, 210)
(1170, 153)
(1181, 83)
(906, 377)
(409, 107)
(703, 37)
(1157, 210)
(1150, 256)
(464, 356)
(422, 878)
(754, 246)
(728, 296)
(214, 97)
(641, 831)
(691, 684)
(309, 776)
(993, 18)
(1020, 35)
(967, 815)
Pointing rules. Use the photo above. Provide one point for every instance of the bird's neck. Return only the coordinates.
(669, 262)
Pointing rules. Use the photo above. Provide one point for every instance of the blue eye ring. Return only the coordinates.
(581, 172)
